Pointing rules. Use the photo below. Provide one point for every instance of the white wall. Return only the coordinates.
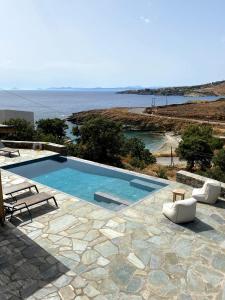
(6, 115)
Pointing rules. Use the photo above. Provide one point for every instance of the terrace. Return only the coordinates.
(82, 251)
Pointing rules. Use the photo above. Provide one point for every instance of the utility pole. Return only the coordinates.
(2, 211)
(172, 162)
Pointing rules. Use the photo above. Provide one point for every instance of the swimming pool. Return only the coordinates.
(107, 186)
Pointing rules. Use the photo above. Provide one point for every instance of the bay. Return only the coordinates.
(62, 103)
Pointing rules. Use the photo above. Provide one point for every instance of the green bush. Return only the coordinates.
(50, 138)
(214, 173)
(162, 173)
(197, 146)
(25, 130)
(137, 163)
(100, 140)
(49, 130)
(140, 156)
(73, 150)
(55, 127)
(219, 160)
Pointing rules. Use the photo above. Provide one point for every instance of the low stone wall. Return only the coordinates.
(195, 180)
(36, 145)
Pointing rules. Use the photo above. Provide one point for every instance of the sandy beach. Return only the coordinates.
(171, 140)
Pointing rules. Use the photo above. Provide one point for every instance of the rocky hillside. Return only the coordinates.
(210, 89)
(207, 111)
(129, 120)
(137, 121)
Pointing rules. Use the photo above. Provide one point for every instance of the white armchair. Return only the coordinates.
(182, 211)
(209, 193)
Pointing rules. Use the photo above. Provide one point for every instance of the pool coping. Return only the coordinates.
(124, 171)
(161, 180)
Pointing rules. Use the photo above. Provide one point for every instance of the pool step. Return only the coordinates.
(145, 185)
(101, 196)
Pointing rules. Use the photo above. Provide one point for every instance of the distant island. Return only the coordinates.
(210, 89)
(92, 88)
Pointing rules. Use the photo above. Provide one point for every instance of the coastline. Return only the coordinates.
(171, 141)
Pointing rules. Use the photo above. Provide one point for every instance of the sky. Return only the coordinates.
(111, 43)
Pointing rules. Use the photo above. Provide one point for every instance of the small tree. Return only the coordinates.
(197, 146)
(100, 140)
(55, 127)
(205, 132)
(24, 130)
(140, 156)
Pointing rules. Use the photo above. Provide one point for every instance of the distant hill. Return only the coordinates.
(210, 89)
(198, 110)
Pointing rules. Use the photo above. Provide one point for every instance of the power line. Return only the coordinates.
(32, 101)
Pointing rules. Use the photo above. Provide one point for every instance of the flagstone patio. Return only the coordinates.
(82, 251)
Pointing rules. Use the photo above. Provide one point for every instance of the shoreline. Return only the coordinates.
(171, 140)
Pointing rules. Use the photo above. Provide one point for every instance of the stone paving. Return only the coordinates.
(82, 251)
(25, 155)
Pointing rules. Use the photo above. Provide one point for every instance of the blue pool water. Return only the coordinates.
(84, 185)
(82, 179)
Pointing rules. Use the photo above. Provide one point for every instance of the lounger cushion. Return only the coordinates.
(209, 193)
(18, 187)
(182, 211)
(34, 199)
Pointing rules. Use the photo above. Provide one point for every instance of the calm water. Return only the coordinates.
(61, 103)
(152, 141)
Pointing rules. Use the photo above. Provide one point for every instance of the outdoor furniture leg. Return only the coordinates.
(36, 189)
(56, 204)
(29, 212)
(12, 212)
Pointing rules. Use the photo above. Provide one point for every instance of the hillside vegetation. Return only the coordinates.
(210, 89)
(207, 111)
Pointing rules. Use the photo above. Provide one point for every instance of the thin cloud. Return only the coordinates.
(145, 20)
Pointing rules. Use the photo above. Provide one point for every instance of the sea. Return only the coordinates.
(62, 103)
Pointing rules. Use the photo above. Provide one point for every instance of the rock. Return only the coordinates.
(112, 224)
(79, 282)
(89, 257)
(91, 235)
(79, 245)
(67, 293)
(121, 271)
(135, 285)
(133, 259)
(62, 281)
(61, 223)
(81, 298)
(219, 262)
(158, 278)
(72, 255)
(111, 234)
(155, 262)
(102, 261)
(96, 274)
(90, 291)
(106, 249)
